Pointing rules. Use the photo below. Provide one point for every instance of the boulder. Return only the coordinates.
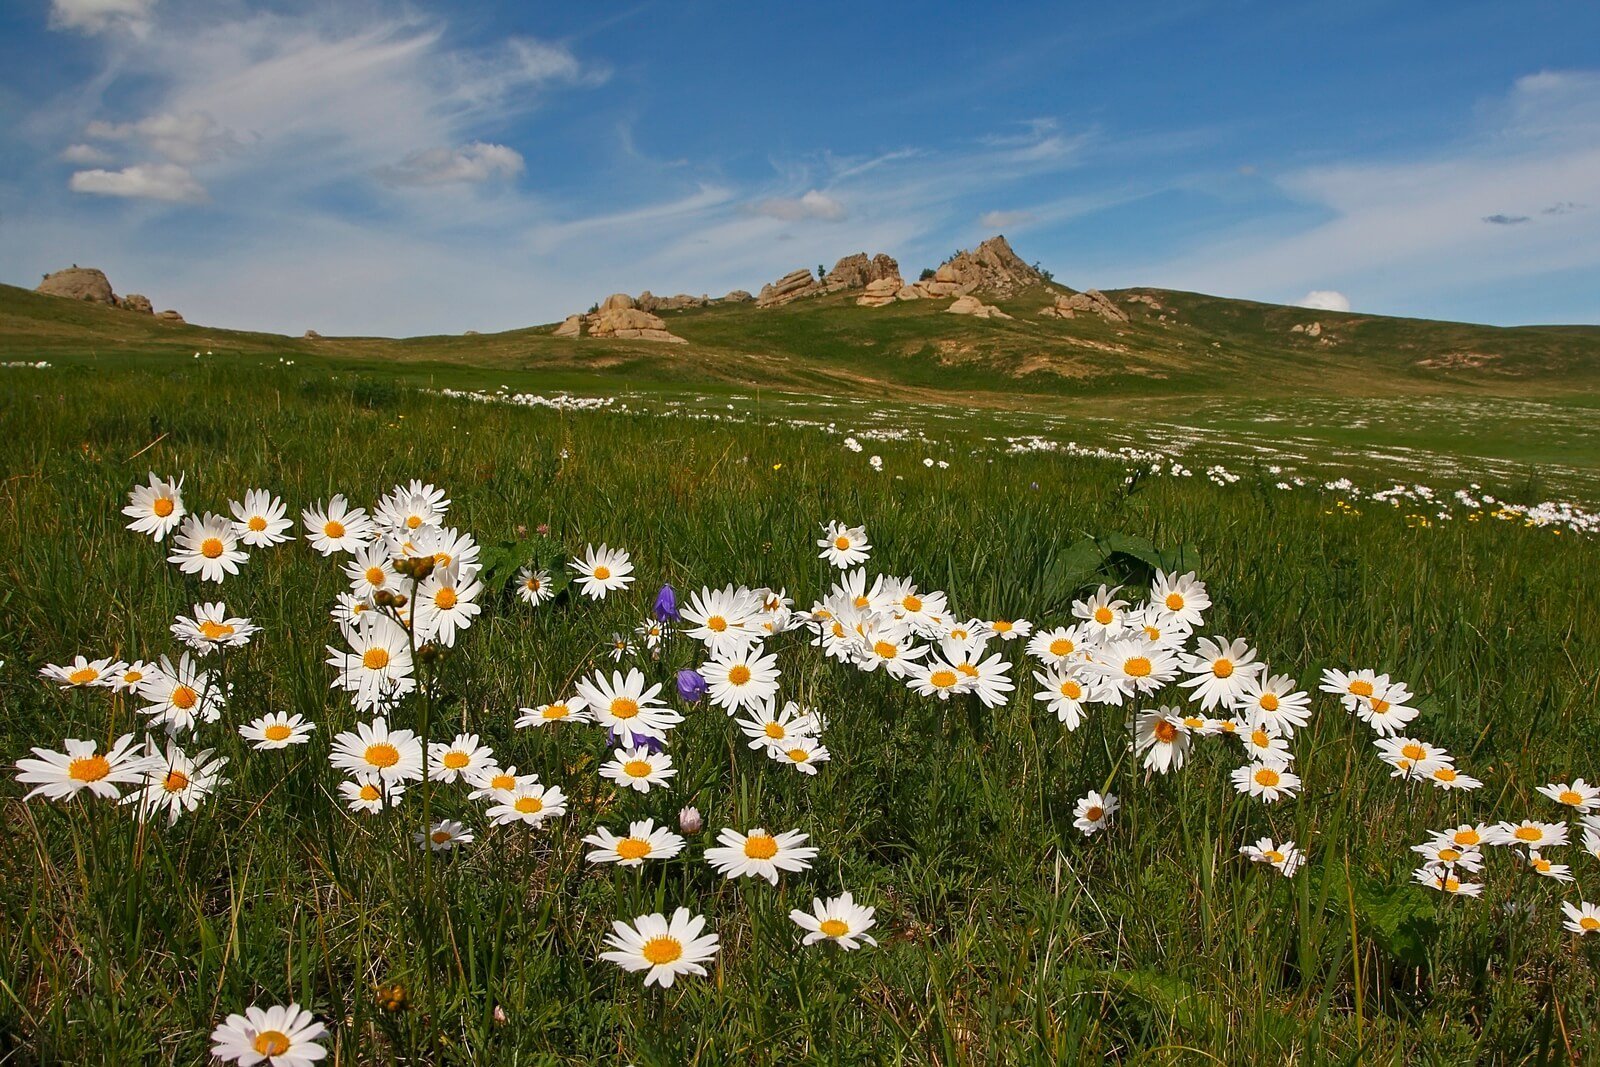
(1090, 301)
(880, 292)
(971, 305)
(79, 283)
(630, 324)
(992, 267)
(617, 302)
(736, 296)
(571, 326)
(791, 286)
(169, 316)
(311, 335)
(648, 301)
(1144, 298)
(136, 302)
(908, 292)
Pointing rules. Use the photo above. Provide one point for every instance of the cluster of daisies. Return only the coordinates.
(414, 587)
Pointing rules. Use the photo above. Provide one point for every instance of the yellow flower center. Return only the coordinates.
(445, 599)
(1266, 776)
(1449, 855)
(369, 793)
(834, 927)
(1571, 796)
(967, 669)
(1061, 646)
(1071, 690)
(454, 760)
(1445, 774)
(211, 547)
(83, 676)
(333, 528)
(257, 523)
(911, 602)
(1269, 702)
(862, 601)
(215, 631)
(717, 624)
(841, 542)
(1164, 731)
(1174, 601)
(1451, 885)
(662, 950)
(1541, 865)
(556, 711)
(529, 805)
(1001, 626)
(1222, 668)
(533, 584)
(885, 650)
(637, 768)
(1094, 813)
(799, 755)
(175, 782)
(162, 506)
(1413, 751)
(413, 521)
(1137, 667)
(1194, 722)
(1528, 833)
(271, 1043)
(276, 732)
(439, 837)
(1361, 688)
(376, 576)
(375, 659)
(1380, 706)
(1589, 922)
(1260, 739)
(132, 677)
(624, 708)
(739, 674)
(1104, 615)
(382, 755)
(602, 573)
(633, 848)
(775, 731)
(1273, 855)
(184, 698)
(943, 679)
(1467, 837)
(503, 781)
(760, 847)
(89, 768)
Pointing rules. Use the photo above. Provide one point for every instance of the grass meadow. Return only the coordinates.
(1005, 935)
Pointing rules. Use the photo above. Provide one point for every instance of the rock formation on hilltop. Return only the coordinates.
(1090, 302)
(79, 283)
(92, 286)
(855, 271)
(971, 305)
(791, 286)
(992, 267)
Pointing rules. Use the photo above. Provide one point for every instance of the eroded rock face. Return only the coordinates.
(79, 283)
(736, 296)
(630, 324)
(571, 326)
(1313, 330)
(136, 302)
(617, 302)
(791, 286)
(1088, 302)
(311, 335)
(880, 292)
(971, 305)
(992, 267)
(169, 316)
(648, 301)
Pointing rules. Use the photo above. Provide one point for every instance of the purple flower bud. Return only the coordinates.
(667, 604)
(622, 737)
(691, 686)
(689, 821)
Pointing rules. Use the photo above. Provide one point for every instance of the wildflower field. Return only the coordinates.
(515, 734)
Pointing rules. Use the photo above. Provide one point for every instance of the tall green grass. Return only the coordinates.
(1006, 937)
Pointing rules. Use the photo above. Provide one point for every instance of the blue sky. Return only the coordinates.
(408, 168)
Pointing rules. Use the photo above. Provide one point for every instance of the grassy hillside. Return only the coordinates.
(1190, 344)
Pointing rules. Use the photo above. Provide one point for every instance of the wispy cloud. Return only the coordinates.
(1505, 220)
(144, 181)
(811, 205)
(475, 162)
(98, 16)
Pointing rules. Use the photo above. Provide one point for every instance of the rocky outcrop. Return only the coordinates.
(736, 296)
(790, 287)
(79, 283)
(1088, 302)
(629, 323)
(1313, 330)
(971, 305)
(880, 292)
(617, 302)
(648, 301)
(992, 267)
(1146, 299)
(571, 326)
(169, 316)
(311, 335)
(136, 302)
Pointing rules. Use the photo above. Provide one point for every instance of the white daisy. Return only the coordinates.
(211, 629)
(626, 706)
(1266, 781)
(760, 854)
(260, 519)
(367, 792)
(460, 759)
(768, 725)
(394, 755)
(1580, 796)
(534, 586)
(1179, 598)
(337, 527)
(445, 603)
(156, 508)
(1163, 739)
(638, 768)
(838, 919)
(573, 709)
(179, 695)
(282, 1036)
(1221, 669)
(371, 569)
(843, 546)
(643, 841)
(444, 835)
(208, 547)
(602, 570)
(277, 730)
(531, 804)
(175, 782)
(801, 753)
(377, 665)
(1581, 919)
(1285, 857)
(81, 673)
(742, 679)
(1093, 812)
(663, 949)
(60, 775)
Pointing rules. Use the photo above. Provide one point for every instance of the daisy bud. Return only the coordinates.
(691, 686)
(392, 998)
(398, 599)
(500, 1018)
(667, 604)
(421, 567)
(689, 820)
(383, 598)
(428, 653)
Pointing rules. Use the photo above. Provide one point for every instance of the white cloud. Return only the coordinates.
(1324, 300)
(478, 161)
(189, 138)
(812, 205)
(84, 154)
(96, 16)
(1002, 220)
(146, 181)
